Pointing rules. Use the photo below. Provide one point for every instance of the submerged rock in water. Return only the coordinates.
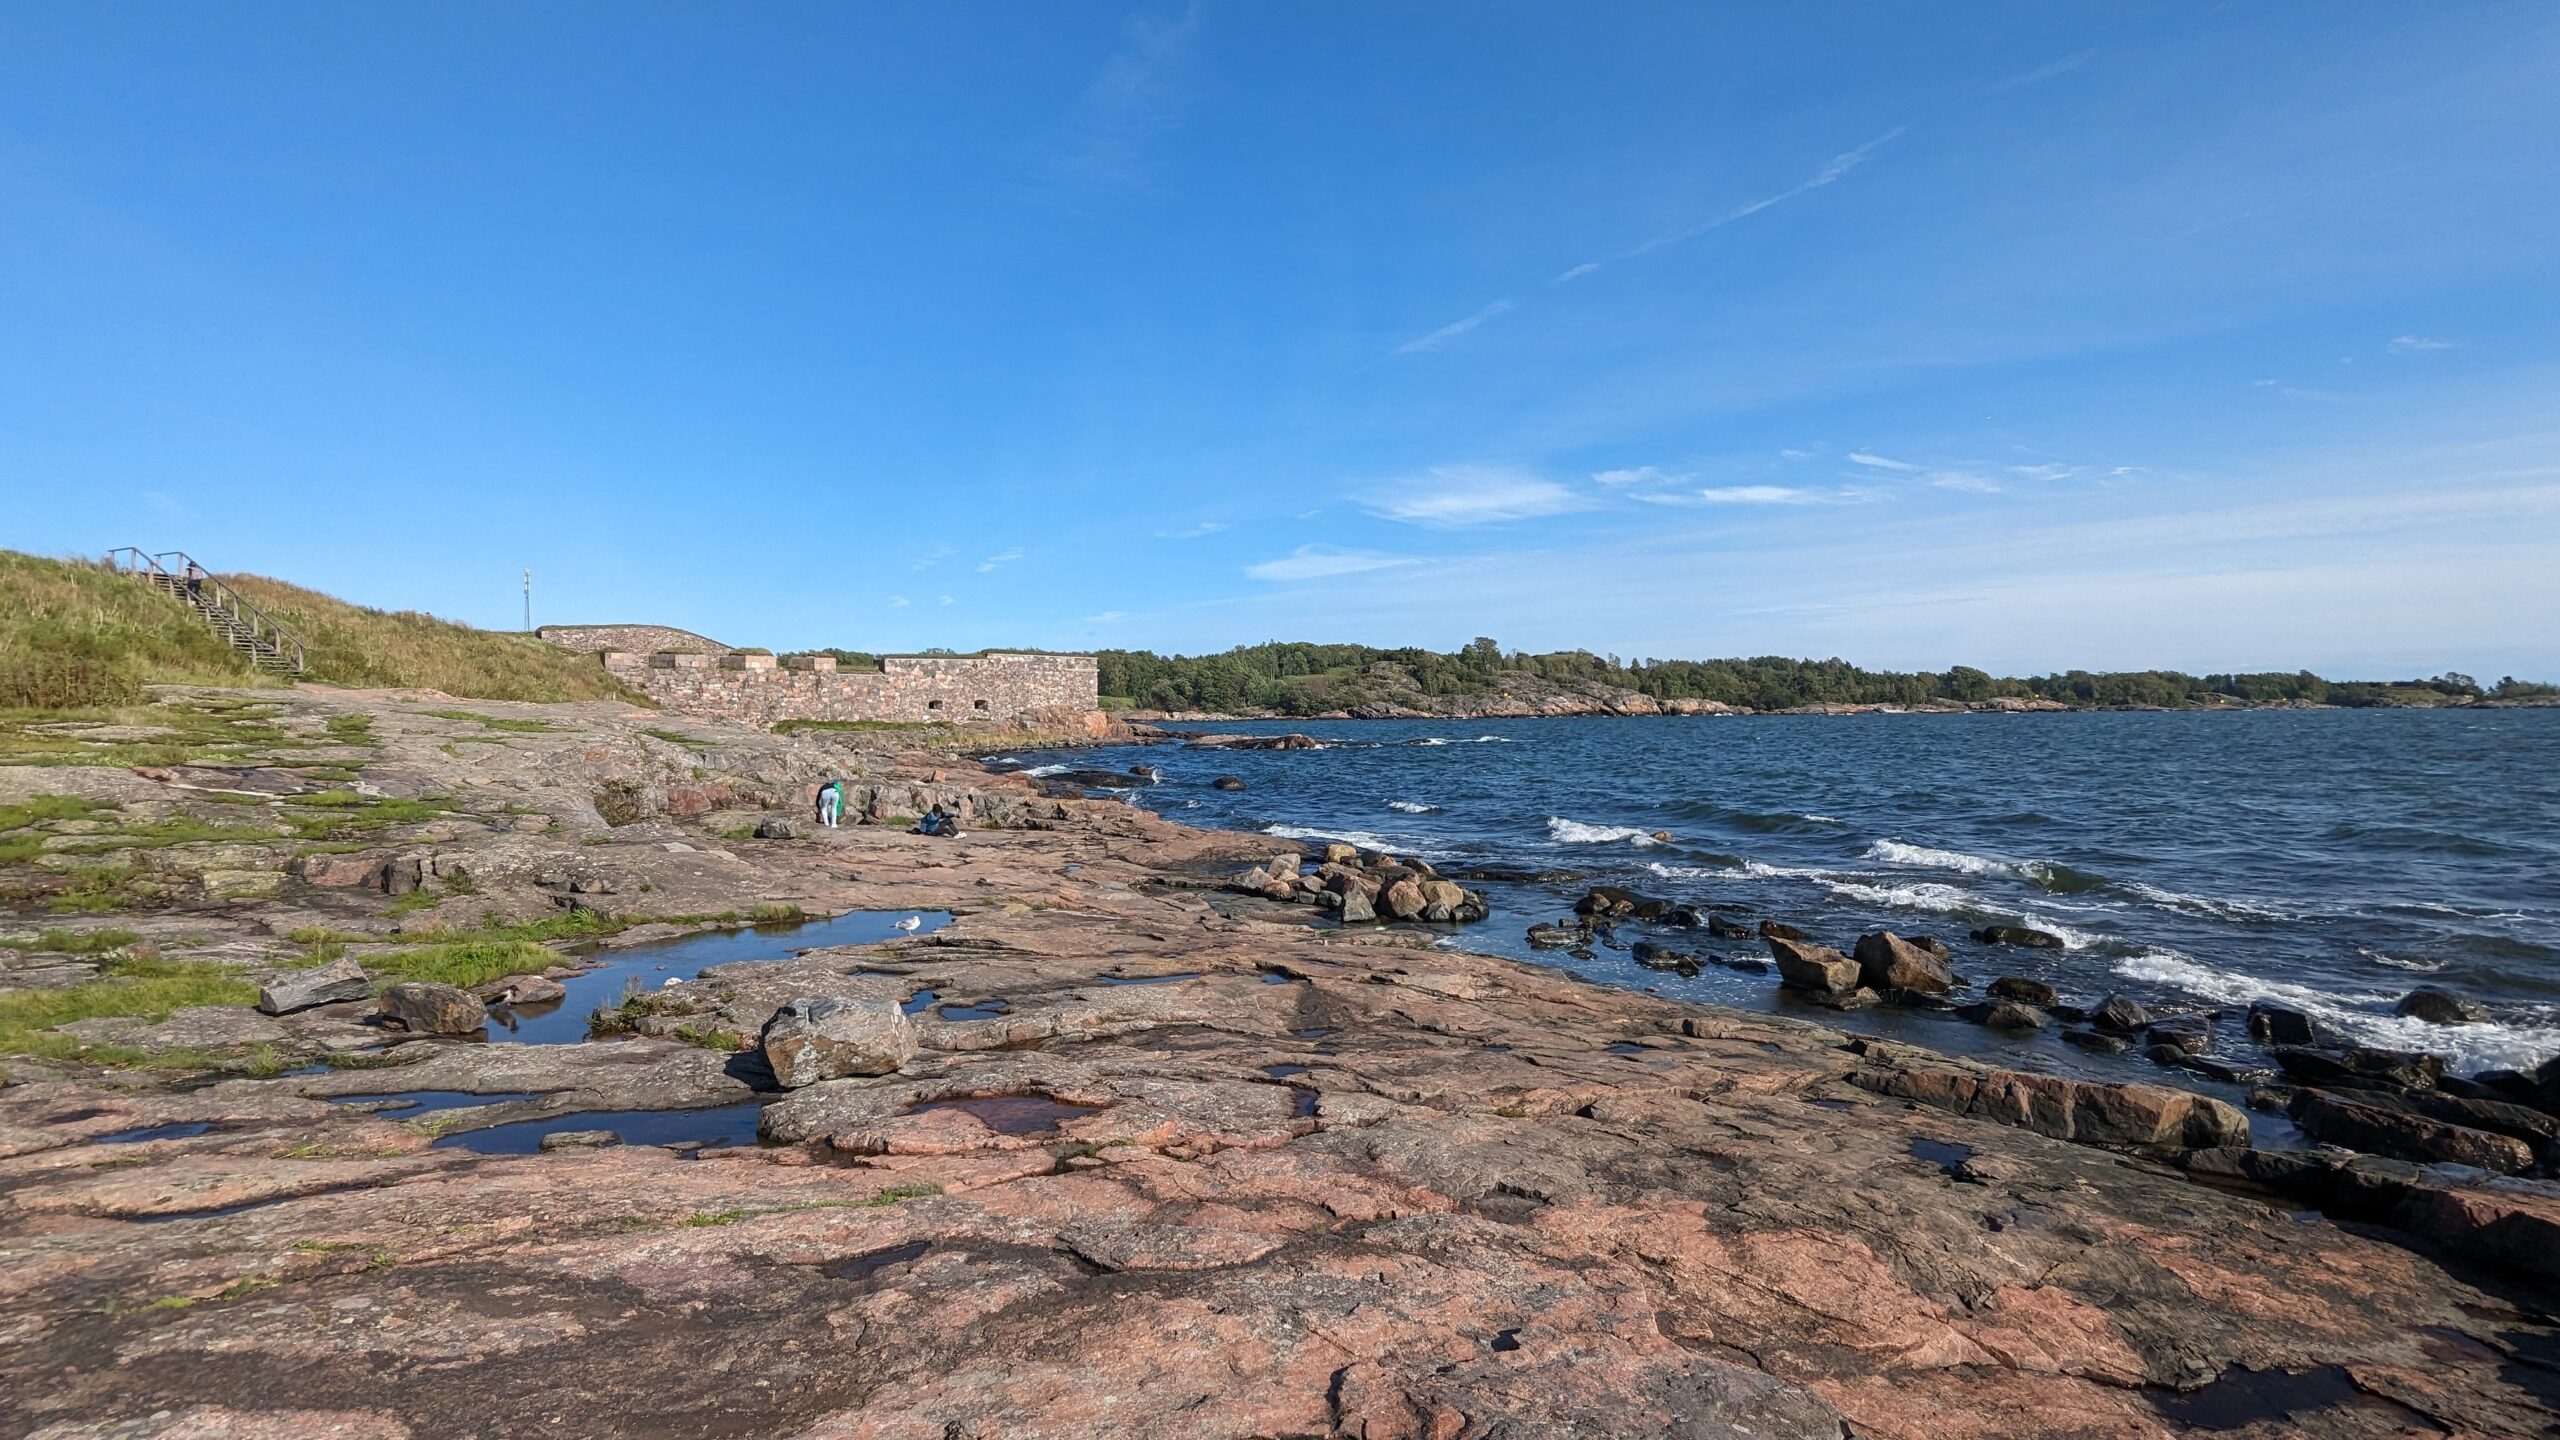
(301, 989)
(2120, 1015)
(825, 1038)
(2024, 991)
(1226, 782)
(2440, 1007)
(1724, 929)
(2018, 935)
(425, 1007)
(2360, 1065)
(2273, 1024)
(1780, 930)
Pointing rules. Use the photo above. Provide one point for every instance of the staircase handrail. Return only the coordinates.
(208, 587)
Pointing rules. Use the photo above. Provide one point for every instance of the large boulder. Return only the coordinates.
(339, 871)
(1359, 905)
(1889, 962)
(818, 1038)
(1403, 900)
(301, 989)
(427, 1007)
(2360, 1066)
(1442, 900)
(2403, 1136)
(520, 990)
(2143, 1117)
(1817, 968)
(2440, 1007)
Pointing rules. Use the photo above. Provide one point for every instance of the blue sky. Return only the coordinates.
(2113, 336)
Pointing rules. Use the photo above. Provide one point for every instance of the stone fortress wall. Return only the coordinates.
(996, 688)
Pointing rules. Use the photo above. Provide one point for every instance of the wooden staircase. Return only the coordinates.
(241, 625)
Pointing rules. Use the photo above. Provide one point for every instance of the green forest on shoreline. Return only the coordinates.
(1298, 678)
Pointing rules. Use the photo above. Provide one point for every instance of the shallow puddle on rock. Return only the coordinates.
(1151, 979)
(1274, 977)
(1317, 1033)
(863, 1267)
(407, 1103)
(1013, 1114)
(1305, 1102)
(709, 1129)
(982, 1010)
(1283, 1072)
(1947, 1155)
(1833, 1104)
(2241, 1397)
(184, 1130)
(919, 1001)
(650, 967)
(1629, 1047)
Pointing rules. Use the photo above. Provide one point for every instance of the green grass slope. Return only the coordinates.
(76, 635)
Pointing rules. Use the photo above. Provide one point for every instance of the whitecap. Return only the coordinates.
(2486, 1045)
(2423, 967)
(1818, 819)
(2206, 905)
(1413, 807)
(1366, 840)
(1941, 899)
(1036, 771)
(1574, 832)
(1897, 852)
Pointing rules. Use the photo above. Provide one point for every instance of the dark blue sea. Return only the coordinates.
(2330, 860)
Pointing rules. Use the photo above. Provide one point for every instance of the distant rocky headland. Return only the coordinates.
(1485, 681)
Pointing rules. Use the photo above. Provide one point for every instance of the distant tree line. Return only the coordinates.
(1298, 678)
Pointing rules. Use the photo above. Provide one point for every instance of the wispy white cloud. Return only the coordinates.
(1107, 617)
(1452, 330)
(1201, 531)
(2301, 392)
(2045, 472)
(1964, 480)
(1839, 165)
(945, 600)
(1879, 462)
(898, 602)
(2042, 73)
(2410, 344)
(1638, 475)
(1325, 562)
(930, 558)
(1795, 454)
(1744, 495)
(1757, 495)
(1004, 558)
(1456, 496)
(1108, 143)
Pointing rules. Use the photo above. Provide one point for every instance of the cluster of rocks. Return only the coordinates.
(1360, 886)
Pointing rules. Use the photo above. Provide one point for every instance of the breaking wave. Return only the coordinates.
(1036, 771)
(2482, 1046)
(1574, 832)
(1413, 807)
(1365, 839)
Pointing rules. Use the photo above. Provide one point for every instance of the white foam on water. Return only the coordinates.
(2358, 1018)
(1036, 771)
(2423, 967)
(1413, 807)
(1574, 832)
(1762, 870)
(1365, 839)
(1942, 899)
(2206, 905)
(1819, 819)
(1897, 852)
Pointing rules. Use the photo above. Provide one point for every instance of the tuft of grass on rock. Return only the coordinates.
(777, 912)
(72, 942)
(464, 962)
(28, 1017)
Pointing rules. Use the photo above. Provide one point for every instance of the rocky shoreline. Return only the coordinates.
(1126, 1147)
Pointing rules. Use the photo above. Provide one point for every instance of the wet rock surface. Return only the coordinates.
(1169, 1160)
